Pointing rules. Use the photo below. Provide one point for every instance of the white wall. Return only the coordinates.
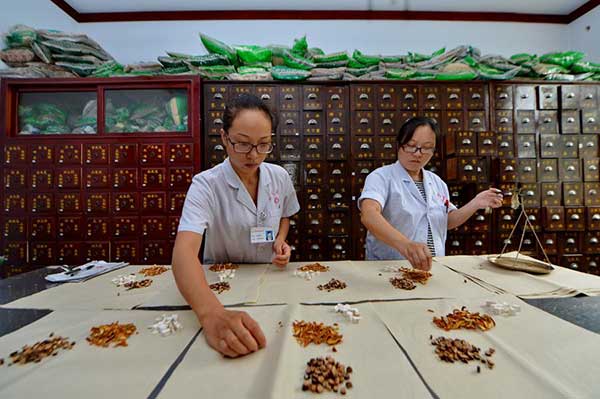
(584, 40)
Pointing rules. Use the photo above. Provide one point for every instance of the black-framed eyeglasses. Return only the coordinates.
(414, 149)
(245, 148)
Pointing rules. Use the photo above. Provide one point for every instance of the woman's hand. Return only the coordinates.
(417, 254)
(282, 253)
(232, 333)
(491, 198)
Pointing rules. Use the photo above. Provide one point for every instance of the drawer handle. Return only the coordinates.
(454, 121)
(487, 142)
(337, 196)
(466, 142)
(312, 96)
(363, 96)
(549, 144)
(314, 222)
(313, 147)
(314, 197)
(593, 264)
(288, 97)
(476, 96)
(503, 96)
(455, 243)
(388, 146)
(527, 168)
(524, 95)
(590, 144)
(507, 217)
(219, 147)
(504, 144)
(364, 121)
(218, 96)
(265, 97)
(337, 221)
(312, 122)
(571, 95)
(313, 171)
(548, 169)
(574, 265)
(480, 218)
(589, 96)
(527, 241)
(530, 193)
(479, 243)
(289, 122)
(315, 247)
(532, 218)
(572, 193)
(365, 171)
(592, 192)
(548, 95)
(336, 121)
(453, 96)
(593, 168)
(431, 96)
(468, 168)
(596, 216)
(218, 121)
(525, 121)
(509, 168)
(455, 194)
(409, 96)
(569, 144)
(387, 121)
(571, 168)
(570, 120)
(555, 217)
(527, 144)
(476, 121)
(289, 147)
(365, 146)
(292, 222)
(336, 146)
(335, 97)
(336, 172)
(550, 193)
(293, 247)
(387, 96)
(591, 120)
(338, 247)
(549, 241)
(593, 240)
(570, 240)
(547, 120)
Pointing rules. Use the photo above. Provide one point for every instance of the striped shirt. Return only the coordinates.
(430, 244)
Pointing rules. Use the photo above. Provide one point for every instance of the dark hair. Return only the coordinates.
(245, 102)
(407, 130)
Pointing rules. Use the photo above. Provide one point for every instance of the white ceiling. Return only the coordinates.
(562, 7)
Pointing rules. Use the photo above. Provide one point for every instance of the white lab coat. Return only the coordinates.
(218, 206)
(404, 208)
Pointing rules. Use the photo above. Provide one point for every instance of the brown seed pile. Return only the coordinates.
(307, 332)
(333, 284)
(219, 267)
(221, 287)
(458, 350)
(416, 275)
(464, 319)
(313, 267)
(138, 284)
(40, 350)
(113, 333)
(325, 374)
(402, 283)
(153, 271)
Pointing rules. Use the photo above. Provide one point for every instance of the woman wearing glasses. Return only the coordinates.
(406, 208)
(241, 209)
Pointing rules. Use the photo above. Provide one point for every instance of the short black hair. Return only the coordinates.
(245, 102)
(407, 130)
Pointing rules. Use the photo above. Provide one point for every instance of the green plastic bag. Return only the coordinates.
(521, 58)
(582, 67)
(289, 74)
(352, 63)
(400, 74)
(367, 60)
(253, 54)
(565, 59)
(311, 52)
(331, 57)
(20, 36)
(464, 75)
(292, 61)
(218, 47)
(300, 46)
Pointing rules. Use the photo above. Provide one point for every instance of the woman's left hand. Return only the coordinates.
(282, 253)
(491, 198)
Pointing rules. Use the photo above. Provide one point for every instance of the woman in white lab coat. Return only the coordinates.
(406, 208)
(241, 209)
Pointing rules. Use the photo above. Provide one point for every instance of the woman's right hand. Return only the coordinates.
(417, 254)
(232, 333)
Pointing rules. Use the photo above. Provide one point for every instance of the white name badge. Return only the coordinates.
(259, 235)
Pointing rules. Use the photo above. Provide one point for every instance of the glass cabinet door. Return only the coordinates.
(146, 110)
(57, 113)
